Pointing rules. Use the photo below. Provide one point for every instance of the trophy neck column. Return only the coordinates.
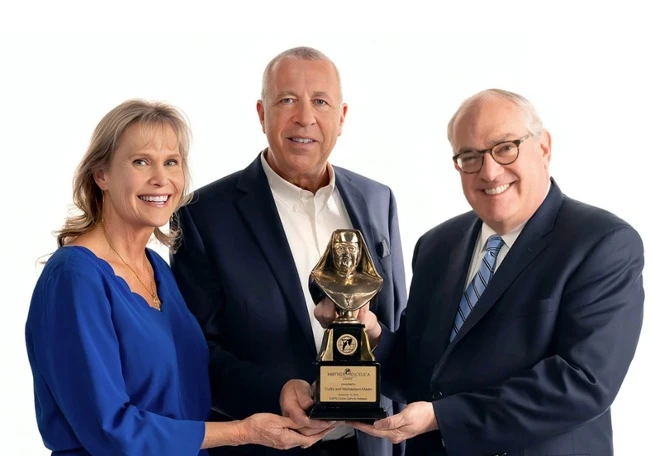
(347, 316)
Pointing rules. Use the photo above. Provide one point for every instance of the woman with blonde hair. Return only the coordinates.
(119, 363)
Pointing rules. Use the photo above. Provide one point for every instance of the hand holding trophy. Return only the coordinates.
(347, 386)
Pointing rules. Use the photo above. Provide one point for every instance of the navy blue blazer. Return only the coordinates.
(541, 357)
(236, 272)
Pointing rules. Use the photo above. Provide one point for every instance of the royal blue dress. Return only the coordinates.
(113, 376)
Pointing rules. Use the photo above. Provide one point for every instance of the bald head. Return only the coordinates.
(298, 53)
(531, 118)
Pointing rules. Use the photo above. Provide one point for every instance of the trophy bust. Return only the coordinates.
(347, 385)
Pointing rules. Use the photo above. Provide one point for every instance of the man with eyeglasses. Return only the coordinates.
(523, 315)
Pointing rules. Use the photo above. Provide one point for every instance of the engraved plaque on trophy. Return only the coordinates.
(348, 377)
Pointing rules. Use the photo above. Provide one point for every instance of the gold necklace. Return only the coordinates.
(152, 291)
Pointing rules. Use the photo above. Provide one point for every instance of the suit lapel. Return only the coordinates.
(525, 251)
(257, 208)
(449, 299)
(528, 246)
(355, 205)
(358, 214)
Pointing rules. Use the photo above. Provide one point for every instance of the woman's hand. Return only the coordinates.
(277, 432)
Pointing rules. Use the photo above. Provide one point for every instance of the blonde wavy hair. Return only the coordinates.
(87, 196)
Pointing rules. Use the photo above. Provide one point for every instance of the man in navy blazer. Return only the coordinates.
(249, 241)
(532, 366)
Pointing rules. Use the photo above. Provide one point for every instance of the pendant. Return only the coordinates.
(157, 303)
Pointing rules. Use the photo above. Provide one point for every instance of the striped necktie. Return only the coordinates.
(478, 283)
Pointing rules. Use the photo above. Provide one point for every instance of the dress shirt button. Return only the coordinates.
(437, 395)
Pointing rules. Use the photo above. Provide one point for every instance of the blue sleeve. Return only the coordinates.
(75, 344)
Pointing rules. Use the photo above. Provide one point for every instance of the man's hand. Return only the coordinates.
(297, 397)
(325, 313)
(417, 418)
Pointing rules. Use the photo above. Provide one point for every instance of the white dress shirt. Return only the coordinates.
(309, 220)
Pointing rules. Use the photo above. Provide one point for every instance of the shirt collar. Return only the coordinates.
(508, 238)
(291, 194)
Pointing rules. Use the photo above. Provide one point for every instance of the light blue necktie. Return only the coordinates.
(478, 283)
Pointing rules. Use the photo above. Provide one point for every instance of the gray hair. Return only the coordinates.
(298, 53)
(532, 120)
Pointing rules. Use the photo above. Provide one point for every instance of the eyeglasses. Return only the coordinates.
(504, 153)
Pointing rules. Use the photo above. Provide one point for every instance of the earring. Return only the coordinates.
(102, 207)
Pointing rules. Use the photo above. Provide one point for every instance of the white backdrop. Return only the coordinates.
(405, 65)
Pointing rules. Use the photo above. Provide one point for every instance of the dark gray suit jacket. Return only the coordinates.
(237, 275)
(542, 355)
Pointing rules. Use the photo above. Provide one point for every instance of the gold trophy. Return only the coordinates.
(348, 378)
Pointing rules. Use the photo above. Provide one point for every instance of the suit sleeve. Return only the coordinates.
(599, 322)
(75, 343)
(237, 388)
(391, 353)
(398, 271)
(390, 348)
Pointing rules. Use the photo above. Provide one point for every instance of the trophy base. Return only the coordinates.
(344, 413)
(347, 385)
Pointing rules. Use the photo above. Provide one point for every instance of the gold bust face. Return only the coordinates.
(346, 256)
(346, 272)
